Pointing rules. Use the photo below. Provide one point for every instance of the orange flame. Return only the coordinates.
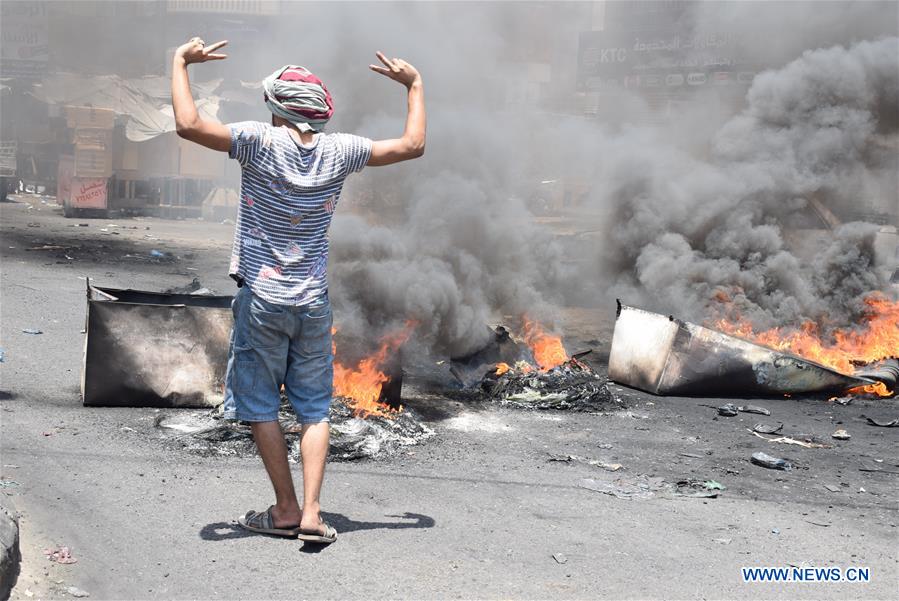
(360, 386)
(878, 389)
(877, 339)
(502, 368)
(547, 348)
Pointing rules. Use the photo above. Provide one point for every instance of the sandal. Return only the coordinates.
(314, 536)
(262, 522)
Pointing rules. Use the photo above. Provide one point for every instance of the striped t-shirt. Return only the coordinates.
(288, 193)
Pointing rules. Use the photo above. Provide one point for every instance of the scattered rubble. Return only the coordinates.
(731, 410)
(883, 423)
(375, 436)
(644, 487)
(767, 428)
(611, 467)
(707, 489)
(637, 487)
(60, 555)
(810, 443)
(772, 463)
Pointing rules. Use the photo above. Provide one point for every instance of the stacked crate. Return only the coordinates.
(92, 161)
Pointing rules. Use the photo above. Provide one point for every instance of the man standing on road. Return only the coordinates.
(292, 177)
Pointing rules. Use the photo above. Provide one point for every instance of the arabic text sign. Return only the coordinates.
(654, 58)
(88, 193)
(24, 39)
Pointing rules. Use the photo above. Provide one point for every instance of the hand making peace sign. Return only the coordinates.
(397, 69)
(196, 51)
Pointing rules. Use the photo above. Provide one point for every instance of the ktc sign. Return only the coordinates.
(663, 58)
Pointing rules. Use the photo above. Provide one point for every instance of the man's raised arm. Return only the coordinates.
(412, 144)
(188, 122)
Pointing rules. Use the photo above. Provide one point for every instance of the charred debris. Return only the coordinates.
(352, 436)
(506, 371)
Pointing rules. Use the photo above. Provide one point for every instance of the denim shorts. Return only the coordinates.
(273, 345)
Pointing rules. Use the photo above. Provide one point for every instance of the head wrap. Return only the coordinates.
(295, 94)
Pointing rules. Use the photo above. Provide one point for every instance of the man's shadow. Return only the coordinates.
(217, 531)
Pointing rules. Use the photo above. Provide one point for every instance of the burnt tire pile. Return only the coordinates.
(572, 386)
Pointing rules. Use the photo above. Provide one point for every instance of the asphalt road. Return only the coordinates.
(478, 511)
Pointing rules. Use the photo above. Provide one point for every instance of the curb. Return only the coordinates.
(10, 555)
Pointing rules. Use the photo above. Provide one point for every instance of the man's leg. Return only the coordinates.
(309, 384)
(256, 370)
(314, 447)
(273, 450)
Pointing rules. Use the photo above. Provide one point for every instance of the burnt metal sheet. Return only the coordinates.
(151, 349)
(666, 356)
(885, 371)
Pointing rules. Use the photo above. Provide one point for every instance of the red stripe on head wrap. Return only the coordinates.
(306, 76)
